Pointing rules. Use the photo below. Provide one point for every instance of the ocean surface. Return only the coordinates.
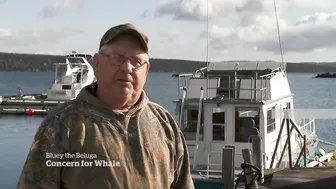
(17, 132)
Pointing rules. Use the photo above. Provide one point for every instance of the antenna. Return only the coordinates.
(282, 59)
(207, 46)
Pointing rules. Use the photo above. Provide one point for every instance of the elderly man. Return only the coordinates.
(111, 136)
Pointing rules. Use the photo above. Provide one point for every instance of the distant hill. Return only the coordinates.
(45, 63)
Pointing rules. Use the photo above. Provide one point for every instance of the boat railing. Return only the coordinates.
(235, 87)
(209, 163)
(219, 165)
(186, 77)
(308, 126)
(304, 126)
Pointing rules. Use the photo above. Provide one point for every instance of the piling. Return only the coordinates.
(248, 159)
(257, 155)
(228, 167)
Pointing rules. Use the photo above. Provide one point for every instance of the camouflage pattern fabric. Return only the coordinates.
(82, 144)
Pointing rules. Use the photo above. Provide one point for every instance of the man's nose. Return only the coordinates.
(127, 66)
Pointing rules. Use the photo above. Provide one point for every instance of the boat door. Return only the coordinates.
(245, 125)
(232, 126)
(217, 133)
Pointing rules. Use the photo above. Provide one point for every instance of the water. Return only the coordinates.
(17, 132)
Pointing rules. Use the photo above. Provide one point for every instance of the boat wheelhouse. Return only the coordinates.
(227, 103)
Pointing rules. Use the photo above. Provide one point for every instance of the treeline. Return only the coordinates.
(28, 62)
(45, 63)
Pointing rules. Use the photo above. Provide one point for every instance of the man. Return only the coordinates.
(111, 136)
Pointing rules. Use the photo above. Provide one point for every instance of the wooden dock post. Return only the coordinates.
(289, 144)
(257, 155)
(248, 159)
(277, 143)
(304, 151)
(228, 167)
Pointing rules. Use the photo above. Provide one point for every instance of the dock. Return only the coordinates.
(320, 174)
(70, 78)
(286, 178)
(302, 177)
(35, 104)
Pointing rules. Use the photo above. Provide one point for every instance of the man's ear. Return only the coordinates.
(147, 68)
(95, 61)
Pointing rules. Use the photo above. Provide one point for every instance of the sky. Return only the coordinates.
(213, 30)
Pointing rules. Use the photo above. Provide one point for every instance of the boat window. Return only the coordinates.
(189, 126)
(218, 126)
(246, 124)
(60, 72)
(75, 61)
(270, 120)
(226, 86)
(65, 87)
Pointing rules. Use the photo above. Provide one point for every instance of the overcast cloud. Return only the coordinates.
(257, 26)
(238, 29)
(9, 37)
(61, 6)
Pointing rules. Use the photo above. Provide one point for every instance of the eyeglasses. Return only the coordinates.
(118, 59)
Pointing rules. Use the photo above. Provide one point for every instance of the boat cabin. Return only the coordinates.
(228, 103)
(71, 76)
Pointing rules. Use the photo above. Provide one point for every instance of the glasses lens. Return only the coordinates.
(115, 59)
(118, 59)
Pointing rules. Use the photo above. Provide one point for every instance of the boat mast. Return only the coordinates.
(207, 46)
(283, 64)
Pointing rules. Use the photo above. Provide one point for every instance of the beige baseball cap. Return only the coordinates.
(115, 31)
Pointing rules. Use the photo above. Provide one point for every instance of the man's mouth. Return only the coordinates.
(123, 80)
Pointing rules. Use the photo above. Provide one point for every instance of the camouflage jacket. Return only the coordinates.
(82, 144)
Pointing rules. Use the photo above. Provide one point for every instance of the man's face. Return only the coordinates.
(115, 72)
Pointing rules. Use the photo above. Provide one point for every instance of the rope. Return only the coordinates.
(329, 143)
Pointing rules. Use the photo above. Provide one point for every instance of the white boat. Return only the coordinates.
(71, 77)
(227, 103)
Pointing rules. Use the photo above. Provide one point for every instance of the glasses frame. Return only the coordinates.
(117, 59)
